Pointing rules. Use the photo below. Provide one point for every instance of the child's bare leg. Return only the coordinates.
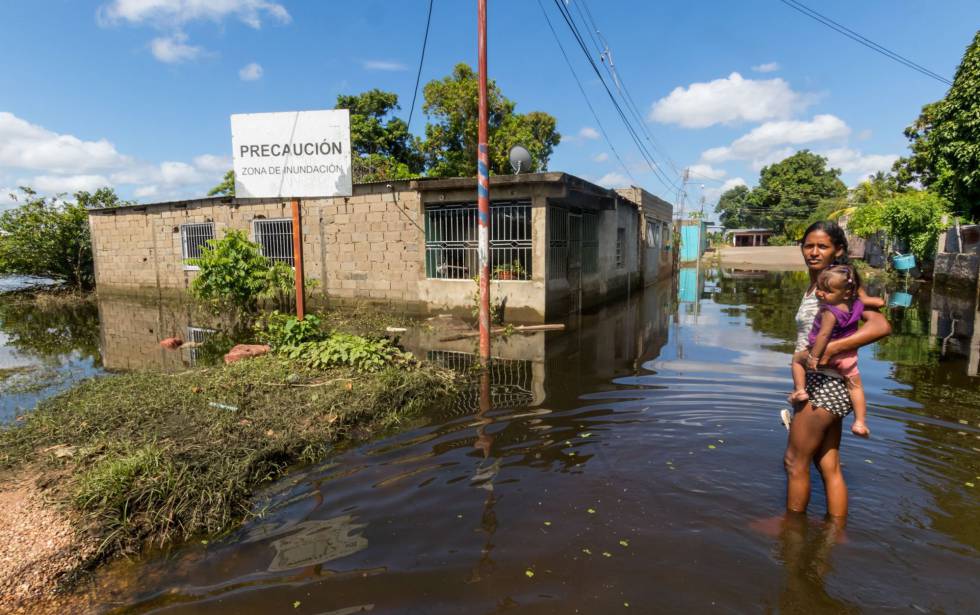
(799, 383)
(860, 404)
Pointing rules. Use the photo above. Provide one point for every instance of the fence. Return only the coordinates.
(451, 250)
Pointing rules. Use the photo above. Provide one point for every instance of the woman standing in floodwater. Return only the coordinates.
(815, 433)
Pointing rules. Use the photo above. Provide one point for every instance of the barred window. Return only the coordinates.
(451, 238)
(590, 242)
(620, 248)
(193, 237)
(275, 238)
(197, 336)
(557, 243)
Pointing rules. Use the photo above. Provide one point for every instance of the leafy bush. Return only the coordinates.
(342, 349)
(285, 330)
(232, 271)
(913, 217)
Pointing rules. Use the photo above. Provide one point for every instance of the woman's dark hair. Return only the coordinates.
(837, 237)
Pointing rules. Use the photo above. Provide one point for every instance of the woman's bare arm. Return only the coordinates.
(875, 327)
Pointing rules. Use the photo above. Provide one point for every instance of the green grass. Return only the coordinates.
(164, 457)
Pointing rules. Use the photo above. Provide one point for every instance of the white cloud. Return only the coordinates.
(250, 72)
(27, 146)
(588, 132)
(54, 184)
(175, 13)
(65, 163)
(711, 195)
(600, 157)
(729, 100)
(614, 180)
(383, 65)
(763, 140)
(705, 171)
(768, 67)
(170, 16)
(852, 161)
(172, 49)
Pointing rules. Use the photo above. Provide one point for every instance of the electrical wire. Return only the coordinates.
(870, 44)
(648, 158)
(584, 95)
(418, 75)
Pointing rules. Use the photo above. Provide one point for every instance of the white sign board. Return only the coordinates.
(292, 154)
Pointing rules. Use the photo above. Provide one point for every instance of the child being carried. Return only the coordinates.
(842, 301)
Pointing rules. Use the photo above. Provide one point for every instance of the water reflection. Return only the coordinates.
(623, 460)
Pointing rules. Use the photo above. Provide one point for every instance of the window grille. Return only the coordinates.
(275, 237)
(590, 242)
(557, 243)
(193, 237)
(620, 248)
(198, 336)
(451, 250)
(511, 381)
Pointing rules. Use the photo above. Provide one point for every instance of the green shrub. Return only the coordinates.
(912, 217)
(285, 330)
(342, 349)
(232, 272)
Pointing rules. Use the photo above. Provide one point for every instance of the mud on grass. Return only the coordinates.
(151, 458)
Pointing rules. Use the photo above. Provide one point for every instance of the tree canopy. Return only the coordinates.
(789, 193)
(381, 145)
(945, 140)
(451, 136)
(49, 237)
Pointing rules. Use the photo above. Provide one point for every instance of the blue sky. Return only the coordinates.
(137, 93)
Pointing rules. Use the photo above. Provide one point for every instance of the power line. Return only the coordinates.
(584, 95)
(418, 75)
(648, 158)
(870, 44)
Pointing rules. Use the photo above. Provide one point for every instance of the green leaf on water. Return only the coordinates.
(969, 484)
(712, 446)
(547, 523)
(585, 434)
(624, 542)
(296, 604)
(529, 573)
(606, 554)
(586, 551)
(591, 511)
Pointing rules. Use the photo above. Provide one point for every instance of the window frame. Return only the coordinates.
(184, 244)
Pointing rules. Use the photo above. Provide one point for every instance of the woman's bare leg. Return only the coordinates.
(827, 460)
(806, 436)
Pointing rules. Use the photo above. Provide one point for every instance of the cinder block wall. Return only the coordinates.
(367, 246)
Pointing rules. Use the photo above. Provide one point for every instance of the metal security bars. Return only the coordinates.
(197, 336)
(193, 237)
(590, 242)
(275, 237)
(557, 243)
(451, 241)
(620, 248)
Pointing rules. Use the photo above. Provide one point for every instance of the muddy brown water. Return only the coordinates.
(629, 464)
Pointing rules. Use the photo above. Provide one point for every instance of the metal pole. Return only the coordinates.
(298, 257)
(483, 187)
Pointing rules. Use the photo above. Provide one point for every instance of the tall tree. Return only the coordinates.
(50, 238)
(382, 147)
(451, 138)
(790, 191)
(732, 208)
(226, 187)
(945, 140)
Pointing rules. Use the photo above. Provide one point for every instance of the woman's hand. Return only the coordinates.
(875, 327)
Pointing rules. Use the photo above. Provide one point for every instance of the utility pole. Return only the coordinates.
(483, 187)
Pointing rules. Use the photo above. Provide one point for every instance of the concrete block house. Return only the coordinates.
(558, 243)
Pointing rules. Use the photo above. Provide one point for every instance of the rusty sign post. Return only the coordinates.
(483, 187)
(298, 259)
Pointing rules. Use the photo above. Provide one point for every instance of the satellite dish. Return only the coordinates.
(520, 159)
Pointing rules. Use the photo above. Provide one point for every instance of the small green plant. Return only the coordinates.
(283, 331)
(496, 307)
(510, 271)
(342, 349)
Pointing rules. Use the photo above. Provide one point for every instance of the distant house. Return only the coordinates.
(746, 237)
(558, 243)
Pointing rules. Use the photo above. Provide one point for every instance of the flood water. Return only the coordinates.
(632, 463)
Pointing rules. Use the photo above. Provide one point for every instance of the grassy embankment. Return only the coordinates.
(148, 458)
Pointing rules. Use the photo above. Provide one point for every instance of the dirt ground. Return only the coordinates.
(39, 546)
(782, 258)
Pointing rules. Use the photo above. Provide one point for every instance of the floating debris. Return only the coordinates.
(529, 573)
